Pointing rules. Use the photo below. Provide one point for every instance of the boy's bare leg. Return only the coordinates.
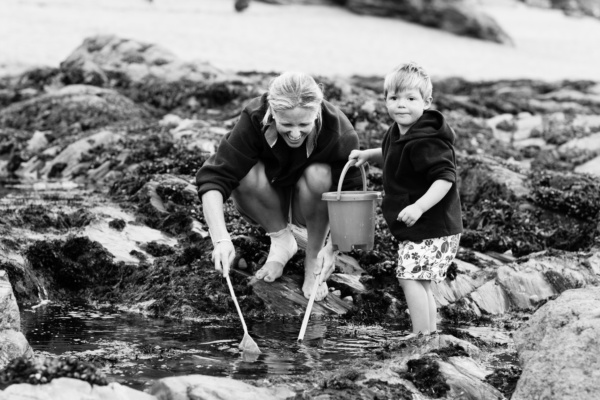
(418, 304)
(315, 181)
(432, 306)
(256, 198)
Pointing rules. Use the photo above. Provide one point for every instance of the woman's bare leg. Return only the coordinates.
(311, 211)
(256, 198)
(418, 304)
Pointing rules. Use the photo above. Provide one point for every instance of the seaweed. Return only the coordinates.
(425, 374)
(23, 370)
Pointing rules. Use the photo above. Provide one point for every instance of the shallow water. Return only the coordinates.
(135, 350)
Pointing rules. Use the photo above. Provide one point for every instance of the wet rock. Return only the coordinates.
(72, 389)
(196, 387)
(558, 348)
(542, 278)
(9, 315)
(72, 108)
(285, 297)
(12, 342)
(465, 377)
(348, 283)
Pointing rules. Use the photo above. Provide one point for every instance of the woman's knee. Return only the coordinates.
(317, 178)
(254, 181)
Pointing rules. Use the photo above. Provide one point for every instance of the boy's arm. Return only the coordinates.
(411, 214)
(436, 192)
(362, 156)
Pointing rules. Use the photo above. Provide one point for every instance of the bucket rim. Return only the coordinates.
(351, 195)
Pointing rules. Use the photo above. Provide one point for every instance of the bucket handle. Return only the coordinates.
(346, 167)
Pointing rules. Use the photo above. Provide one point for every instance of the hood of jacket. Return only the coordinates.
(432, 124)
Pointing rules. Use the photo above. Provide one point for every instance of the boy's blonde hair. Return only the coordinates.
(293, 89)
(408, 76)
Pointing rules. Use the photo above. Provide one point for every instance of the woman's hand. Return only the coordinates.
(411, 214)
(223, 255)
(326, 262)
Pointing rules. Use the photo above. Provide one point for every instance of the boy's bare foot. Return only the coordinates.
(270, 271)
(309, 281)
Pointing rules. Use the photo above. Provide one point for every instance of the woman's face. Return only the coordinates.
(295, 124)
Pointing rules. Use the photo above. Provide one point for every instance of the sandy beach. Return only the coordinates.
(317, 39)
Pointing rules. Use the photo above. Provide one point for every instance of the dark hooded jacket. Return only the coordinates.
(249, 141)
(411, 163)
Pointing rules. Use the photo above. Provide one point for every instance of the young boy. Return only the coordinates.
(421, 204)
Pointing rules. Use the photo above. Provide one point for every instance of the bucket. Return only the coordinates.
(352, 215)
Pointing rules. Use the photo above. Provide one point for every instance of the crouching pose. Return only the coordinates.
(288, 148)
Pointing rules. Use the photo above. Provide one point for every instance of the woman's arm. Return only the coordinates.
(224, 252)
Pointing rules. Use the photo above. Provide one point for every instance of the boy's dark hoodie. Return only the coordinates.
(411, 163)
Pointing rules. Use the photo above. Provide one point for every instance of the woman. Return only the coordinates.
(288, 148)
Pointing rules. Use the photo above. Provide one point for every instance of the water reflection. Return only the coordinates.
(135, 350)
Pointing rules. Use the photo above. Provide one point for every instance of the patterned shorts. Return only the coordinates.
(427, 259)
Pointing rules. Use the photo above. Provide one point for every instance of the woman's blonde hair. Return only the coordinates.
(293, 89)
(408, 76)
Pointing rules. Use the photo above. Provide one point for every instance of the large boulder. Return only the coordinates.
(461, 17)
(103, 57)
(150, 74)
(558, 348)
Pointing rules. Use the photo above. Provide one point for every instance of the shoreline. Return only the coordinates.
(321, 40)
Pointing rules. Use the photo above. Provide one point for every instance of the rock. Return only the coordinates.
(457, 16)
(349, 283)
(73, 154)
(558, 348)
(489, 298)
(75, 107)
(591, 167)
(570, 7)
(202, 387)
(12, 342)
(37, 142)
(477, 171)
(72, 389)
(110, 55)
(468, 279)
(465, 378)
(10, 319)
(543, 277)
(285, 297)
(591, 143)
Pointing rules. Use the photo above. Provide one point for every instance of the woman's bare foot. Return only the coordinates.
(309, 281)
(283, 248)
(270, 271)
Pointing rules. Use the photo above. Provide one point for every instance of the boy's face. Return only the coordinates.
(406, 107)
